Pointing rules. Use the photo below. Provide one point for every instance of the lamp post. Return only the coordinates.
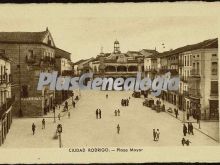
(59, 130)
(199, 115)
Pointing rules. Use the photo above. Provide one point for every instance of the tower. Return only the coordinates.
(116, 47)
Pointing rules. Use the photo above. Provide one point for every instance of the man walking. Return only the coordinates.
(74, 104)
(118, 112)
(158, 134)
(184, 129)
(43, 124)
(59, 116)
(33, 128)
(68, 114)
(97, 113)
(118, 129)
(106, 96)
(100, 113)
(154, 134)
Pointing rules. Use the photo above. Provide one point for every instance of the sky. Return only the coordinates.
(83, 29)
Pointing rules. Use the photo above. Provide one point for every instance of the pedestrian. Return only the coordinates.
(183, 141)
(33, 128)
(118, 129)
(74, 104)
(157, 134)
(187, 142)
(97, 113)
(68, 114)
(191, 128)
(59, 116)
(184, 129)
(127, 102)
(43, 124)
(154, 134)
(106, 96)
(100, 113)
(118, 112)
(176, 112)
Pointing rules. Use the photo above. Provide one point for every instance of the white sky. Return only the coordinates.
(82, 29)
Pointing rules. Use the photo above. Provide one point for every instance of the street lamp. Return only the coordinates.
(59, 130)
(199, 116)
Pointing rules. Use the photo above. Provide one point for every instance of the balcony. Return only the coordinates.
(48, 61)
(5, 78)
(30, 60)
(181, 63)
(194, 93)
(195, 73)
(4, 107)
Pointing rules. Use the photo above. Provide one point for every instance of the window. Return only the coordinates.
(30, 54)
(214, 87)
(197, 55)
(214, 68)
(214, 55)
(185, 61)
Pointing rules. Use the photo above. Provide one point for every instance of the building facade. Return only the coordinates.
(6, 100)
(31, 53)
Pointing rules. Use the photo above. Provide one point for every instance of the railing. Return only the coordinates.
(195, 72)
(6, 78)
(194, 92)
(6, 105)
(48, 60)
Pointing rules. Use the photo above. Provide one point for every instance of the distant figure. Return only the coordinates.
(59, 116)
(97, 113)
(33, 128)
(184, 129)
(176, 112)
(43, 124)
(187, 142)
(116, 112)
(183, 141)
(118, 129)
(74, 104)
(106, 96)
(68, 114)
(157, 134)
(154, 134)
(100, 113)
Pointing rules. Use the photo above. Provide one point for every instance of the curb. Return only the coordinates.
(196, 129)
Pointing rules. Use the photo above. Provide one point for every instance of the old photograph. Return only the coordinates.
(73, 78)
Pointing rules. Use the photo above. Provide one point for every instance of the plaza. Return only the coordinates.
(82, 129)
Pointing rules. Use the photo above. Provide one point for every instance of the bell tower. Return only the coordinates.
(116, 47)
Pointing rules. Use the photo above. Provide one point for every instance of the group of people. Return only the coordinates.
(156, 134)
(185, 142)
(43, 126)
(98, 114)
(117, 112)
(124, 102)
(188, 130)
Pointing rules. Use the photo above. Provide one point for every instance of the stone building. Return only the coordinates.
(6, 100)
(32, 53)
(203, 81)
(118, 64)
(64, 66)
